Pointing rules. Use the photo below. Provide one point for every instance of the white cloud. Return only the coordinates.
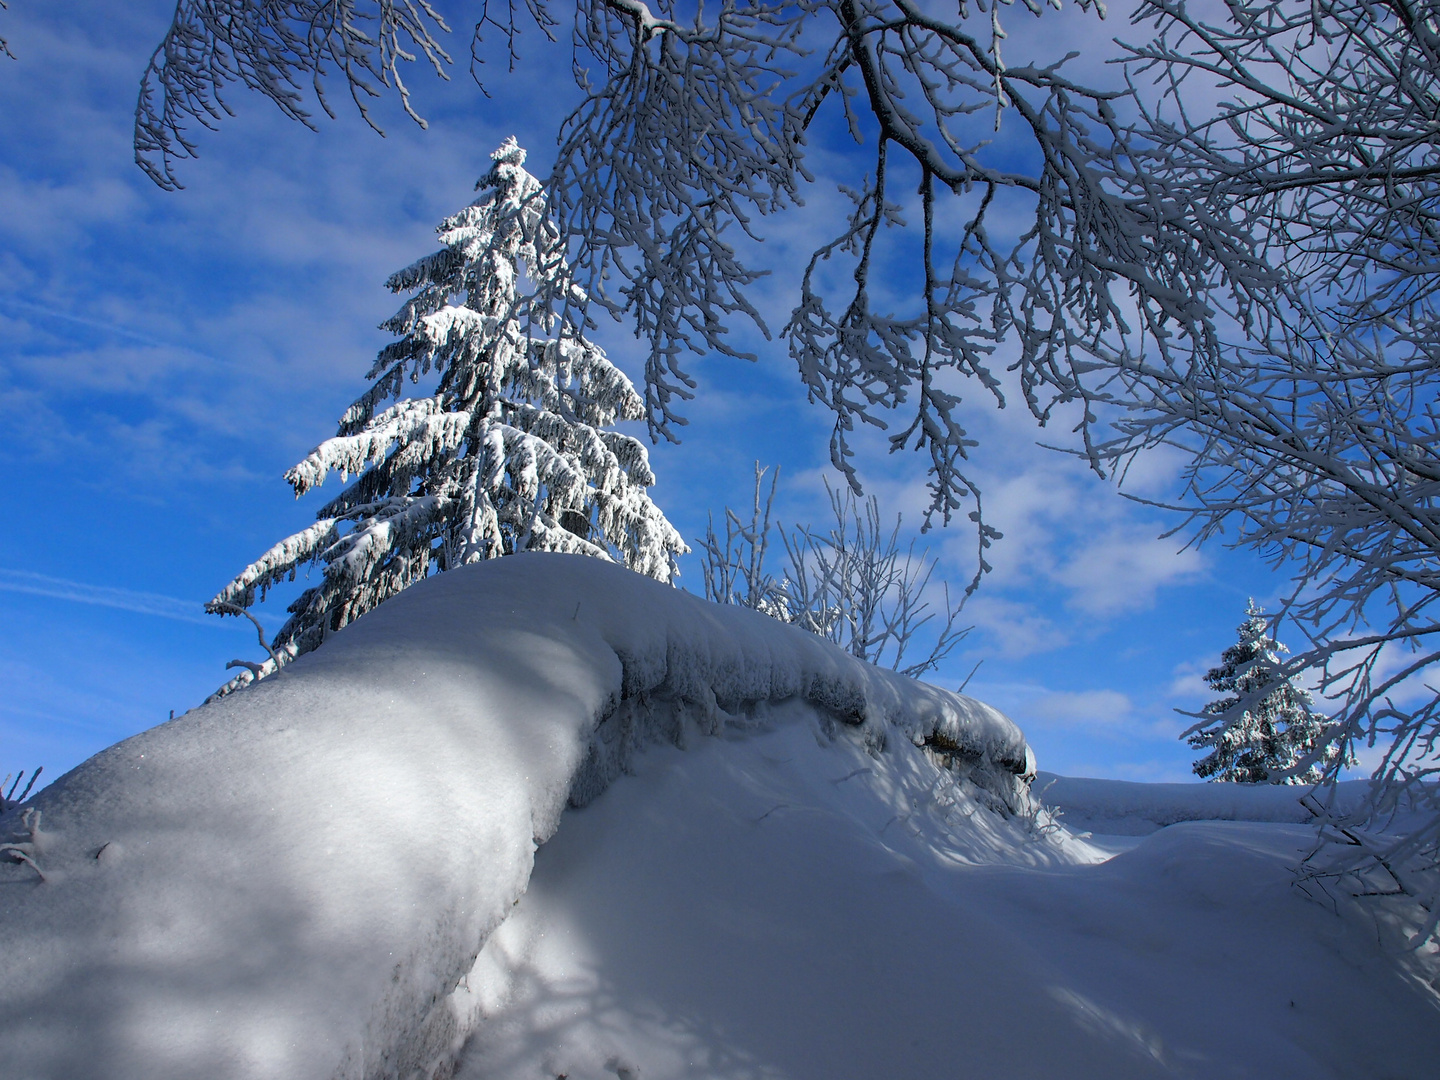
(1069, 535)
(1189, 684)
(1009, 628)
(1122, 568)
(1103, 710)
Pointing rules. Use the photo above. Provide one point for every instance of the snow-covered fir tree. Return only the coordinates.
(1265, 724)
(510, 453)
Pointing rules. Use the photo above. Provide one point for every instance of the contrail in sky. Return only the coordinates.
(142, 603)
(107, 327)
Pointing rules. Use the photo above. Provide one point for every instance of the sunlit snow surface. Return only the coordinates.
(768, 877)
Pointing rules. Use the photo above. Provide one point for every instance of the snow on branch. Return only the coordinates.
(280, 561)
(273, 48)
(852, 584)
(9, 798)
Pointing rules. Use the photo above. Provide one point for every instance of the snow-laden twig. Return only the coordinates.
(9, 798)
(734, 568)
(25, 851)
(852, 583)
(221, 607)
(275, 49)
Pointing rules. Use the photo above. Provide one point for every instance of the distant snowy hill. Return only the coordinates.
(1123, 808)
(295, 882)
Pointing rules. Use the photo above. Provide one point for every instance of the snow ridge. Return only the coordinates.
(291, 882)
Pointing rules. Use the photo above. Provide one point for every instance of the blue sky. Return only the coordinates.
(164, 357)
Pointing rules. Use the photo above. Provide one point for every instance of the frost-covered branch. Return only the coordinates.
(734, 568)
(220, 607)
(8, 798)
(857, 586)
(275, 47)
(852, 584)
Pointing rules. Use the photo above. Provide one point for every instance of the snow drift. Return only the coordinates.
(293, 881)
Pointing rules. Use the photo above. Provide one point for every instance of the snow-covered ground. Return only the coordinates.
(295, 881)
(770, 909)
(748, 907)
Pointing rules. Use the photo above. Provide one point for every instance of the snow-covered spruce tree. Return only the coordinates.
(1278, 725)
(510, 453)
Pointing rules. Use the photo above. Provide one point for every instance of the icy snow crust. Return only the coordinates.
(290, 882)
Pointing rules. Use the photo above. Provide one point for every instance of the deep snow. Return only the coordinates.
(294, 882)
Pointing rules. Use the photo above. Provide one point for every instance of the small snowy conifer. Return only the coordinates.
(1265, 724)
(509, 453)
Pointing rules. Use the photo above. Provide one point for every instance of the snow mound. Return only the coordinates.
(292, 882)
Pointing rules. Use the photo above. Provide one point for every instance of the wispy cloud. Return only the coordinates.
(1013, 629)
(1121, 569)
(141, 603)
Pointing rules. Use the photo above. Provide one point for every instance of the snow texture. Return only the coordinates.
(291, 882)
